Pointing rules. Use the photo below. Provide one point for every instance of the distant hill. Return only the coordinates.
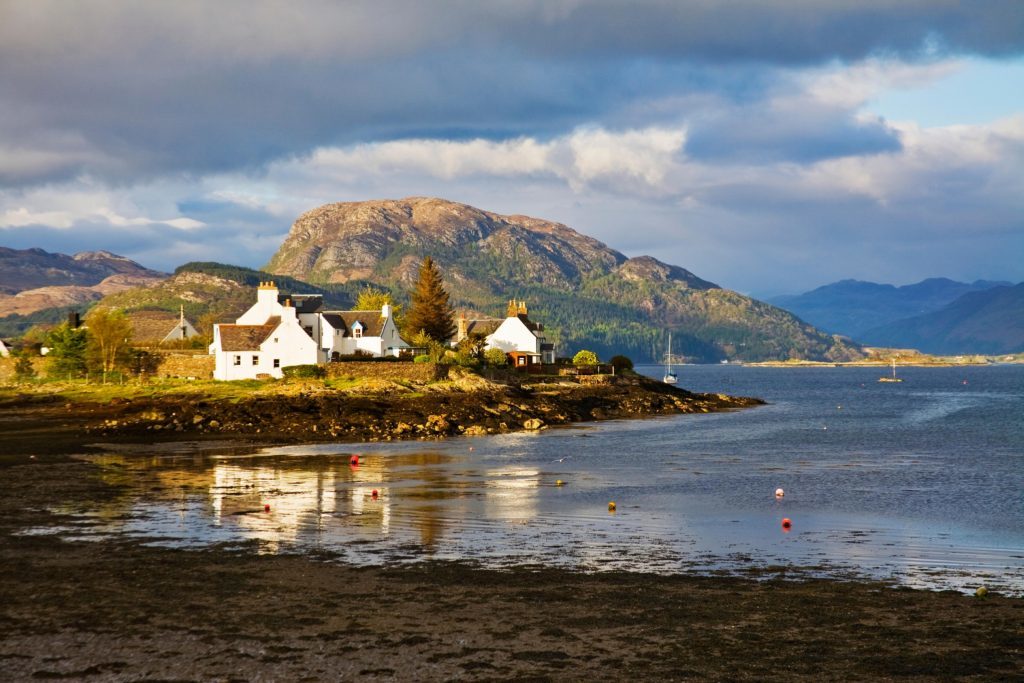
(587, 295)
(33, 280)
(851, 307)
(22, 269)
(214, 292)
(990, 322)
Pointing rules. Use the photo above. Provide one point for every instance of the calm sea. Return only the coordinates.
(920, 482)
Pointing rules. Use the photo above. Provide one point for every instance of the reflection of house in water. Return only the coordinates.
(302, 501)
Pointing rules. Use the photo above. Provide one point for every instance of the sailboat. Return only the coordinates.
(670, 377)
(894, 378)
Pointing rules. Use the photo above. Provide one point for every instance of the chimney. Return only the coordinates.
(74, 321)
(463, 328)
(513, 310)
(522, 308)
(267, 294)
(385, 311)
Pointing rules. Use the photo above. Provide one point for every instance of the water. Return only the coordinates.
(921, 483)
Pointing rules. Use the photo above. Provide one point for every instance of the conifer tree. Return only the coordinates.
(430, 311)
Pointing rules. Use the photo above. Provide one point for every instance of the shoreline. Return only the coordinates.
(312, 412)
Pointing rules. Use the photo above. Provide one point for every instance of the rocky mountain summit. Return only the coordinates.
(364, 240)
(588, 294)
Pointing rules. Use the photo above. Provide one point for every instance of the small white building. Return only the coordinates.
(516, 335)
(281, 330)
(347, 332)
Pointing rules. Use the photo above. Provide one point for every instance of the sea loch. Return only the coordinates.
(918, 483)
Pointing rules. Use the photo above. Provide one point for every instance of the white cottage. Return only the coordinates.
(281, 330)
(516, 335)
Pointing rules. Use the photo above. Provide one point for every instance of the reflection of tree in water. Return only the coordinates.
(433, 483)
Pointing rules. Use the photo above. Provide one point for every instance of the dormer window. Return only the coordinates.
(357, 330)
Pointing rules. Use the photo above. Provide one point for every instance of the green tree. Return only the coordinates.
(66, 357)
(23, 368)
(496, 357)
(585, 357)
(372, 299)
(110, 334)
(621, 363)
(430, 310)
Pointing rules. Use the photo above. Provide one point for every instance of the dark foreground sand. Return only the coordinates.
(117, 610)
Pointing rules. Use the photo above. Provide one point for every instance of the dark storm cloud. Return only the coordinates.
(122, 91)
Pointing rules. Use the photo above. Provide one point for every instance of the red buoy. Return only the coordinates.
(354, 460)
(374, 494)
(786, 524)
(266, 508)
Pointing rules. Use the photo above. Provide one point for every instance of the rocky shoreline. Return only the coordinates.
(311, 412)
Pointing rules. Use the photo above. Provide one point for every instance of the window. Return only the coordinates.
(238, 360)
(255, 360)
(277, 362)
(275, 340)
(357, 332)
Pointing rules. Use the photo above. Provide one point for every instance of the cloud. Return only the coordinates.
(129, 91)
(638, 159)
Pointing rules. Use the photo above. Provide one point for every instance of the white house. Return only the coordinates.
(375, 332)
(516, 335)
(281, 330)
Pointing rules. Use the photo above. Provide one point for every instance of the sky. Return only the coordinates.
(770, 147)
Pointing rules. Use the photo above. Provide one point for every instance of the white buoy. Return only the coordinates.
(779, 493)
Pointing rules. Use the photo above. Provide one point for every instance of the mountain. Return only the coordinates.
(990, 322)
(850, 307)
(22, 269)
(32, 280)
(587, 294)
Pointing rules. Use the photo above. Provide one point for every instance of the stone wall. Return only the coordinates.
(185, 364)
(413, 372)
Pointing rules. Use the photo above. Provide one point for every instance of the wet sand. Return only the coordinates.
(121, 610)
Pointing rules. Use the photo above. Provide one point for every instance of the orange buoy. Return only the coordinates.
(786, 523)
(266, 508)
(611, 506)
(559, 482)
(779, 493)
(354, 460)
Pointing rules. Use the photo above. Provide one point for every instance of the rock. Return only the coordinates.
(198, 419)
(533, 423)
(438, 424)
(475, 430)
(213, 424)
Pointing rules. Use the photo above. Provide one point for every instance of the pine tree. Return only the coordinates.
(67, 351)
(430, 311)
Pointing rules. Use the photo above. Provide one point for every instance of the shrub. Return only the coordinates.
(621, 363)
(496, 357)
(421, 359)
(585, 357)
(23, 368)
(303, 372)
